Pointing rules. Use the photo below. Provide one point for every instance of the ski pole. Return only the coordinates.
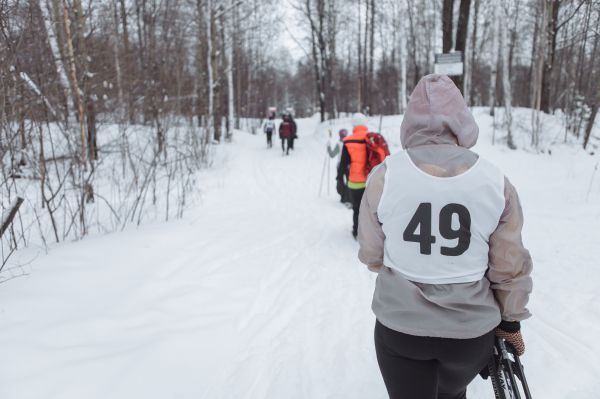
(328, 160)
(322, 176)
(328, 174)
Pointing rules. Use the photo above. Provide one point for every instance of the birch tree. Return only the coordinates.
(494, 59)
(402, 58)
(230, 83)
(74, 82)
(506, 85)
(55, 39)
(210, 56)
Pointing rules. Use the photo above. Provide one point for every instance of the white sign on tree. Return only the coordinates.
(450, 64)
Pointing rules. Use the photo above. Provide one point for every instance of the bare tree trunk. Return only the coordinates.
(590, 124)
(538, 73)
(117, 61)
(473, 53)
(592, 119)
(209, 60)
(365, 75)
(370, 77)
(534, 47)
(413, 39)
(142, 59)
(506, 77)
(127, 62)
(218, 64)
(331, 55)
(74, 83)
(461, 38)
(447, 19)
(88, 102)
(551, 33)
(230, 93)
(494, 60)
(121, 104)
(317, 53)
(359, 57)
(55, 40)
(8, 217)
(402, 58)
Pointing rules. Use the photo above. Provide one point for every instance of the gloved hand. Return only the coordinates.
(511, 332)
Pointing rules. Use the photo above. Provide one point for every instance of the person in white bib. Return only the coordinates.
(269, 128)
(442, 228)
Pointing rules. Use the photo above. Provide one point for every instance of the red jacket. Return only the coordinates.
(287, 129)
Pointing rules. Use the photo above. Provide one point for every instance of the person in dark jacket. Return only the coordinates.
(294, 131)
(353, 164)
(287, 130)
(334, 151)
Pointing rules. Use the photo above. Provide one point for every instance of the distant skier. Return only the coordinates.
(269, 128)
(353, 164)
(287, 130)
(334, 152)
(442, 227)
(294, 130)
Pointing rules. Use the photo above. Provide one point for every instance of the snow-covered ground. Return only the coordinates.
(257, 292)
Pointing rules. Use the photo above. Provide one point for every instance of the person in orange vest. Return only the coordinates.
(353, 164)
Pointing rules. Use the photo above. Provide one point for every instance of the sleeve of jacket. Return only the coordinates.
(370, 234)
(344, 162)
(510, 264)
(333, 151)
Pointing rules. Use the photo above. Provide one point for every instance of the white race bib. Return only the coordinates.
(437, 229)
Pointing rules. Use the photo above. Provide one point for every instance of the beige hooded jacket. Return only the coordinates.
(437, 131)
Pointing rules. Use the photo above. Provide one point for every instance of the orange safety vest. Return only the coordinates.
(357, 149)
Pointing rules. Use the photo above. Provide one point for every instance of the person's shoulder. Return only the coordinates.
(490, 167)
(377, 176)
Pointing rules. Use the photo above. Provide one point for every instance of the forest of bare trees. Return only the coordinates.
(541, 54)
(163, 81)
(108, 108)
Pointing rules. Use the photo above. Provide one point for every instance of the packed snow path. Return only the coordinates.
(257, 292)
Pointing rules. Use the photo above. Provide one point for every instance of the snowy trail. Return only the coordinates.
(257, 293)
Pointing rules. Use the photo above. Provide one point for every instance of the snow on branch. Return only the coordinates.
(37, 91)
(10, 215)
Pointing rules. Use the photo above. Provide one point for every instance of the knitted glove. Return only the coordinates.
(511, 332)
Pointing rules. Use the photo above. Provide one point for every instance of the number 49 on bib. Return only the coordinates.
(422, 220)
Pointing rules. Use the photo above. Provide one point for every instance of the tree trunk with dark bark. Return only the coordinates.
(447, 18)
(461, 37)
(552, 30)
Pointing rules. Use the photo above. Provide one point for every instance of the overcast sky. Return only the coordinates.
(290, 29)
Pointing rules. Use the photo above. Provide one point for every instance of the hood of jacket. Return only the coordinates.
(437, 114)
(359, 130)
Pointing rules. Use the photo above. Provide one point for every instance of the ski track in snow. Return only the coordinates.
(257, 292)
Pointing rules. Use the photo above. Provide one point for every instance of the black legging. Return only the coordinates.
(269, 139)
(416, 367)
(285, 140)
(355, 197)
